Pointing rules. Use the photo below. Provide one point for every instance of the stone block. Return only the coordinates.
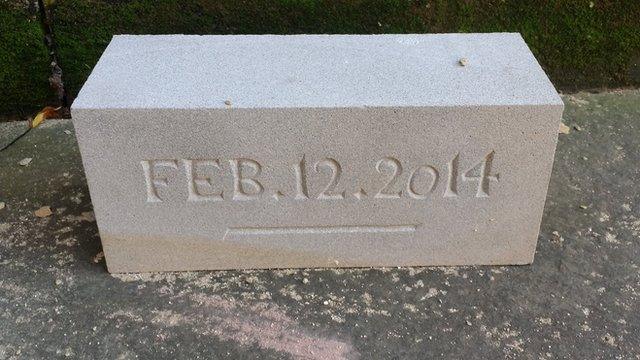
(230, 152)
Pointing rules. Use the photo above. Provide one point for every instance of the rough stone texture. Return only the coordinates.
(310, 71)
(221, 161)
(578, 300)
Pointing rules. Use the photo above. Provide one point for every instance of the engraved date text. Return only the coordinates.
(244, 180)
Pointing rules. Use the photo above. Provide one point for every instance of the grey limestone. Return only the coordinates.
(224, 152)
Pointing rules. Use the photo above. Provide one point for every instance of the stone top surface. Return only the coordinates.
(315, 71)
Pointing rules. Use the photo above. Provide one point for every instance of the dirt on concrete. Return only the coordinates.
(579, 299)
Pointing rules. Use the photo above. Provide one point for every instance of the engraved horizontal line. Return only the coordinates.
(343, 229)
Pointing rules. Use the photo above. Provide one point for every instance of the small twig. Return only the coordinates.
(16, 139)
(55, 79)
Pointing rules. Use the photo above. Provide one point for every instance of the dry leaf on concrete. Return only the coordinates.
(43, 212)
(564, 129)
(88, 216)
(556, 238)
(46, 113)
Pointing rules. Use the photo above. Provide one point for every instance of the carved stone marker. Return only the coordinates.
(224, 152)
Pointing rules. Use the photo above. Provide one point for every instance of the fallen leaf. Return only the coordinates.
(564, 129)
(68, 132)
(2, 205)
(88, 216)
(99, 256)
(25, 161)
(577, 127)
(46, 113)
(556, 238)
(43, 212)
(463, 62)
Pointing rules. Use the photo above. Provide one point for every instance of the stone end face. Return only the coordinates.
(307, 176)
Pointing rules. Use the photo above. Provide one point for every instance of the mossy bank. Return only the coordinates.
(581, 44)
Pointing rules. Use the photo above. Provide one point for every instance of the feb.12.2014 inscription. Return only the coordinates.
(247, 185)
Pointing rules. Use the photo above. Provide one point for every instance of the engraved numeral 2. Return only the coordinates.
(396, 168)
(336, 172)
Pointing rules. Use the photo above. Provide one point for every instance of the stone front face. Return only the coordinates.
(225, 182)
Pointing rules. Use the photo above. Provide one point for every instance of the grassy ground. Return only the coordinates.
(581, 44)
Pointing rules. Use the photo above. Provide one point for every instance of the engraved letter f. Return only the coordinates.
(150, 178)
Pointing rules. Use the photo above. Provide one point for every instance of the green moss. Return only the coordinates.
(24, 64)
(580, 43)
